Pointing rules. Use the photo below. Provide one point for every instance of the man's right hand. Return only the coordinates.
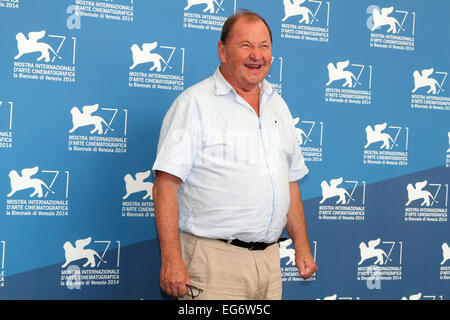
(174, 277)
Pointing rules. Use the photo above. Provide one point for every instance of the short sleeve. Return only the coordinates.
(178, 139)
(297, 166)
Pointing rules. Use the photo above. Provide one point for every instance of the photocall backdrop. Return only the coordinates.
(85, 86)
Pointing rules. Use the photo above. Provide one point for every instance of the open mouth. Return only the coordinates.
(254, 66)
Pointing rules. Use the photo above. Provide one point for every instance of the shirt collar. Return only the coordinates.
(223, 87)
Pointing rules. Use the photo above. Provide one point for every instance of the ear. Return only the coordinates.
(221, 51)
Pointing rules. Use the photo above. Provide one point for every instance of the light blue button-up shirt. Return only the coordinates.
(235, 166)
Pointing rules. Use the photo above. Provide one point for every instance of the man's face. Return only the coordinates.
(247, 54)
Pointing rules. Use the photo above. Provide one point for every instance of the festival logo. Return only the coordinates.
(289, 269)
(6, 124)
(79, 253)
(138, 196)
(306, 20)
(36, 192)
(338, 203)
(370, 251)
(386, 145)
(96, 265)
(428, 91)
(165, 65)
(45, 57)
(346, 85)
(422, 79)
(391, 28)
(379, 261)
(207, 14)
(97, 129)
(427, 202)
(310, 139)
(145, 55)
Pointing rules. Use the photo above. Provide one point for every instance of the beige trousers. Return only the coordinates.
(228, 272)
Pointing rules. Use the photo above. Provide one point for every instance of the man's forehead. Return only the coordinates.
(246, 27)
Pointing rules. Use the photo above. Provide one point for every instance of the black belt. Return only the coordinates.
(248, 245)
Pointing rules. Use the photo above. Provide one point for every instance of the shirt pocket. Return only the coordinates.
(280, 137)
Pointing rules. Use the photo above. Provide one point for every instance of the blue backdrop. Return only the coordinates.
(84, 86)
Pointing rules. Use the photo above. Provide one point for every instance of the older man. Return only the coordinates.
(226, 170)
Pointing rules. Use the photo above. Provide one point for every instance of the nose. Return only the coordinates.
(256, 53)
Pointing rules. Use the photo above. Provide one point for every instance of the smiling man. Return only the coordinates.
(226, 175)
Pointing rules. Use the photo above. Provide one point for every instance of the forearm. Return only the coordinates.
(296, 225)
(166, 216)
